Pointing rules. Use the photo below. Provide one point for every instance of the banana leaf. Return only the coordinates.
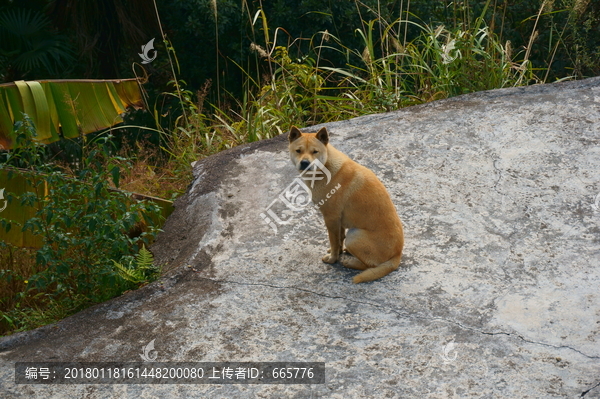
(65, 108)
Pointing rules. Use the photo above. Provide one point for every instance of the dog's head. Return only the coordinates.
(306, 147)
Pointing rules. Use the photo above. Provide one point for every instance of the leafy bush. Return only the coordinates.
(86, 225)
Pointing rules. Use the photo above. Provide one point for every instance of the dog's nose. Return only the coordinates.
(304, 164)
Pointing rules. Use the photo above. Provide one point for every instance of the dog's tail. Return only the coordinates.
(379, 271)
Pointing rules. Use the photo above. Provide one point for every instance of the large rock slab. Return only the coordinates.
(497, 295)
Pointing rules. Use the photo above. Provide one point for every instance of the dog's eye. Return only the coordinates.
(298, 151)
(315, 152)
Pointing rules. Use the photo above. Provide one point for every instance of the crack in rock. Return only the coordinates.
(408, 315)
(588, 391)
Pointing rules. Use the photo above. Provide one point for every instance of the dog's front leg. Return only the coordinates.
(334, 228)
(342, 238)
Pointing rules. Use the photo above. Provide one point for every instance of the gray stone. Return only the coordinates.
(497, 295)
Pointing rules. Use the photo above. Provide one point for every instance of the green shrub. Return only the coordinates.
(86, 225)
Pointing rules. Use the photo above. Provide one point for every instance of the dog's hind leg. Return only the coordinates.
(365, 250)
(352, 262)
(379, 271)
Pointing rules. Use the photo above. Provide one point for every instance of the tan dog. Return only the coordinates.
(360, 211)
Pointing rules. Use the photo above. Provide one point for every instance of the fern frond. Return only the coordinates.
(132, 275)
(144, 259)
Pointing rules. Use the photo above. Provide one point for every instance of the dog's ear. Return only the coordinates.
(323, 136)
(294, 134)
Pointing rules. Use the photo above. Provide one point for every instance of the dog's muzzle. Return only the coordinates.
(304, 164)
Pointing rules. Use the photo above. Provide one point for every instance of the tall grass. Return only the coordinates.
(287, 82)
(388, 72)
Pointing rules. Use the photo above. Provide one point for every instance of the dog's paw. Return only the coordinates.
(330, 258)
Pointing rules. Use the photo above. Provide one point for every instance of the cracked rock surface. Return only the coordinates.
(497, 295)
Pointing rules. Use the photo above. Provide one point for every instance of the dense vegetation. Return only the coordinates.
(229, 72)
